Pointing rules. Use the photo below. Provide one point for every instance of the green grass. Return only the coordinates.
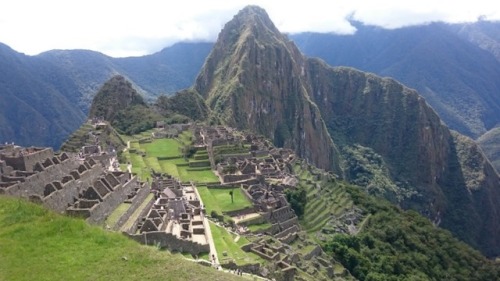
(203, 176)
(135, 215)
(209, 201)
(169, 167)
(256, 227)
(224, 242)
(162, 147)
(185, 137)
(218, 199)
(177, 167)
(116, 214)
(37, 244)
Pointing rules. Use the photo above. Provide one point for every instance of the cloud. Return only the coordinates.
(126, 27)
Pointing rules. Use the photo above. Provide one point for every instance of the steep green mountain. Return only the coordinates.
(44, 98)
(115, 95)
(458, 78)
(402, 245)
(490, 144)
(256, 79)
(121, 105)
(253, 79)
(184, 104)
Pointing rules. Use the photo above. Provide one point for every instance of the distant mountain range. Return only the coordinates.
(454, 66)
(46, 97)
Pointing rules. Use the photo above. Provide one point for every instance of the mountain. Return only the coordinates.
(44, 98)
(253, 79)
(123, 107)
(452, 66)
(33, 109)
(490, 144)
(484, 34)
(256, 79)
(115, 95)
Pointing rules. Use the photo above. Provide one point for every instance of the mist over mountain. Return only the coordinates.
(44, 98)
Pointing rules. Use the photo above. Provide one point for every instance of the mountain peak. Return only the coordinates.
(116, 94)
(250, 22)
(253, 79)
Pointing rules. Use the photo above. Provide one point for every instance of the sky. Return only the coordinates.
(134, 28)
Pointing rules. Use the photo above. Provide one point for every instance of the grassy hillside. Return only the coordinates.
(70, 249)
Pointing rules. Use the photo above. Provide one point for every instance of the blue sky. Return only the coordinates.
(133, 28)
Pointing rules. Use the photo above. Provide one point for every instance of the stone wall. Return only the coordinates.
(282, 214)
(293, 229)
(143, 214)
(247, 210)
(314, 253)
(35, 184)
(111, 201)
(141, 195)
(67, 192)
(236, 178)
(170, 242)
(26, 162)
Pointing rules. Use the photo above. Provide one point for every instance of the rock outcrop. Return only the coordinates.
(254, 79)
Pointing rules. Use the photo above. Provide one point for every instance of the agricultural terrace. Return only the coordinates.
(228, 247)
(167, 156)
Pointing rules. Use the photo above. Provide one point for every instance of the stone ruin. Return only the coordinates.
(64, 183)
(174, 219)
(170, 131)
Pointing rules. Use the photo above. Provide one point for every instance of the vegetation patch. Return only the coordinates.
(223, 199)
(228, 250)
(402, 245)
(69, 249)
(162, 148)
(201, 176)
(116, 214)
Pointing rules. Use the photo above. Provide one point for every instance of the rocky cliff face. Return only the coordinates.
(445, 175)
(254, 79)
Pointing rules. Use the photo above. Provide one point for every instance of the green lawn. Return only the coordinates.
(167, 148)
(162, 147)
(219, 200)
(224, 242)
(209, 201)
(203, 176)
(116, 214)
(37, 244)
(262, 226)
(170, 166)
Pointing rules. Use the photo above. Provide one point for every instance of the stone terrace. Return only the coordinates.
(64, 183)
(174, 220)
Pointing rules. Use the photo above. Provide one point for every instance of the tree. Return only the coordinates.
(231, 193)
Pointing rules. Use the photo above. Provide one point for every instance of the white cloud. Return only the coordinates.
(126, 27)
